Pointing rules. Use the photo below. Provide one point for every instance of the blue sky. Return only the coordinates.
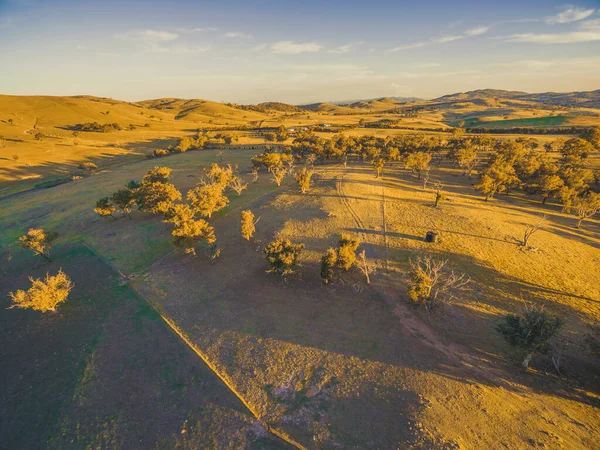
(295, 51)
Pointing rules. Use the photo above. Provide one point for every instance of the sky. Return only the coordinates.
(297, 52)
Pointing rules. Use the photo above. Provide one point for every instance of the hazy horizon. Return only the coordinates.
(295, 53)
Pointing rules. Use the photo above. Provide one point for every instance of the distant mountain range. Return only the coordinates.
(590, 99)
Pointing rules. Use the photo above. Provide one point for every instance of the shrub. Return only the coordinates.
(43, 295)
(160, 152)
(530, 332)
(282, 255)
(88, 167)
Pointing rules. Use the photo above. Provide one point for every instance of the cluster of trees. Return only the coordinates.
(97, 128)
(183, 144)
(280, 134)
(155, 194)
(518, 165)
(343, 257)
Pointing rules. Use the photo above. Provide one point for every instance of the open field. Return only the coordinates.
(347, 365)
(95, 373)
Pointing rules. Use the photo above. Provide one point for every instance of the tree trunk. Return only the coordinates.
(579, 222)
(527, 360)
(544, 199)
(46, 256)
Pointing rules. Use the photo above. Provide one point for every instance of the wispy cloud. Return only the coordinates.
(587, 31)
(293, 48)
(259, 47)
(477, 31)
(196, 30)
(572, 14)
(344, 48)
(148, 36)
(237, 34)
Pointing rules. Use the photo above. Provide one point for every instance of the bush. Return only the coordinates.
(282, 255)
(159, 153)
(88, 167)
(43, 295)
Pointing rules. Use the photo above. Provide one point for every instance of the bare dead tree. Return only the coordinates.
(254, 175)
(426, 178)
(439, 194)
(238, 185)
(364, 267)
(279, 174)
(432, 285)
(529, 231)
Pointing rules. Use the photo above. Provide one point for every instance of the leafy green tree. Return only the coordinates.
(418, 162)
(467, 158)
(207, 199)
(283, 255)
(189, 233)
(328, 262)
(221, 175)
(592, 135)
(281, 134)
(43, 295)
(346, 251)
(530, 332)
(549, 185)
(179, 213)
(104, 208)
(39, 241)
(378, 165)
(155, 194)
(248, 224)
(498, 177)
(123, 200)
(303, 179)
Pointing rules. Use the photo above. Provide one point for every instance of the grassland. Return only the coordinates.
(153, 124)
(349, 364)
(95, 373)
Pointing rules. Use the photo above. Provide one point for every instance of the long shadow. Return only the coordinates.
(387, 233)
